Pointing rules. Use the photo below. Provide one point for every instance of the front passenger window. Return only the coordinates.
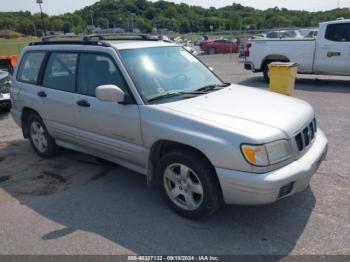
(60, 71)
(96, 70)
(338, 32)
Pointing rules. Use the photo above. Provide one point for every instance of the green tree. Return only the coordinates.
(102, 22)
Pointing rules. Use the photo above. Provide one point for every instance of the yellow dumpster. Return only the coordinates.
(282, 77)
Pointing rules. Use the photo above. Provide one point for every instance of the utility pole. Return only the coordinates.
(35, 30)
(40, 2)
(92, 18)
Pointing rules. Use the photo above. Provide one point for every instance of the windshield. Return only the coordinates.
(165, 70)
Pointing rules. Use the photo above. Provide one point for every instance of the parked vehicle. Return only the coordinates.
(328, 54)
(201, 40)
(284, 34)
(153, 107)
(5, 101)
(220, 46)
(312, 34)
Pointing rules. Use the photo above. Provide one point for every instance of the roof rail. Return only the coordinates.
(123, 36)
(70, 40)
(95, 39)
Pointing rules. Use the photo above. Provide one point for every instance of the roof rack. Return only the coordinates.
(70, 40)
(123, 36)
(95, 39)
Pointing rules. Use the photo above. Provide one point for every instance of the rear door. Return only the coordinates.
(55, 94)
(332, 50)
(45, 82)
(106, 127)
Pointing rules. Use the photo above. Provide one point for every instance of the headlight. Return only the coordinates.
(268, 154)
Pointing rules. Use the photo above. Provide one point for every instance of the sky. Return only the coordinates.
(54, 7)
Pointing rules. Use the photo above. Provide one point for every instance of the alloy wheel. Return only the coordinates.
(183, 186)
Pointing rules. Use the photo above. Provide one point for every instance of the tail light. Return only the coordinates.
(247, 49)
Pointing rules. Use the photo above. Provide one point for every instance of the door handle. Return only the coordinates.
(331, 54)
(42, 94)
(83, 103)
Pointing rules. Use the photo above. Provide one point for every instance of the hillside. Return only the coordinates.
(145, 15)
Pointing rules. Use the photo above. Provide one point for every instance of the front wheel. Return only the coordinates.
(188, 184)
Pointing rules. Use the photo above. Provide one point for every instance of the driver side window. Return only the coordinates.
(60, 71)
(96, 70)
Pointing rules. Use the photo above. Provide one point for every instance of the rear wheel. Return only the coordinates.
(267, 73)
(39, 137)
(188, 184)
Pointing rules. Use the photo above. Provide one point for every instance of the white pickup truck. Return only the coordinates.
(328, 54)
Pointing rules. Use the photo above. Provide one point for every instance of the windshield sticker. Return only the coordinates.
(189, 57)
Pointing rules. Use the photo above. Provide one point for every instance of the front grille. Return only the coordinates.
(306, 136)
(286, 190)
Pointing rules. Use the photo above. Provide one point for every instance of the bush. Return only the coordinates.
(14, 35)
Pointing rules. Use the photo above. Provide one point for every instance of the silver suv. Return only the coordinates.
(153, 107)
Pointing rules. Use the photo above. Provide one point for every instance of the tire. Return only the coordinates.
(211, 51)
(188, 184)
(40, 139)
(4, 107)
(267, 73)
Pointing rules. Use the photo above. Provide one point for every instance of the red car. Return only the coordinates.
(220, 46)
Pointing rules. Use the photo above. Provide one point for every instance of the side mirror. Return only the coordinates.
(110, 93)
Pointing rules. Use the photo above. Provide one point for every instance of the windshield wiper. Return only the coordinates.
(212, 87)
(165, 96)
(174, 94)
(200, 91)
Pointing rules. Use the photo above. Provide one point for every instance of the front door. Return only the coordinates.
(332, 51)
(106, 127)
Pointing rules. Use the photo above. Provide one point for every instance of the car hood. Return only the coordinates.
(258, 112)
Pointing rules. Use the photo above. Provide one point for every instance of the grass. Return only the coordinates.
(14, 46)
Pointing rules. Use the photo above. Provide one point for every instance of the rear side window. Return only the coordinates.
(338, 32)
(96, 70)
(30, 67)
(61, 71)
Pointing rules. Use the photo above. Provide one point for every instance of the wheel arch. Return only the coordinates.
(273, 58)
(161, 147)
(26, 112)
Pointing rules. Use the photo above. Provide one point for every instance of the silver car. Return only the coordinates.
(153, 107)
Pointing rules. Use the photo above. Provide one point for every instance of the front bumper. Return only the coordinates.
(241, 188)
(5, 101)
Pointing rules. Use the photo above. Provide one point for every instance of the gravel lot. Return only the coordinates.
(76, 205)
